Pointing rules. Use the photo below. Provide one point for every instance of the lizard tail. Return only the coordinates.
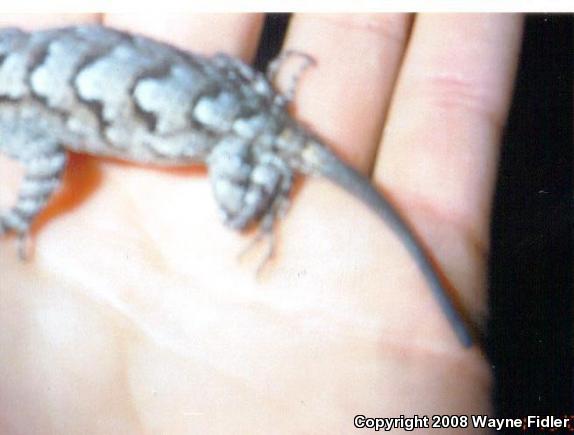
(320, 161)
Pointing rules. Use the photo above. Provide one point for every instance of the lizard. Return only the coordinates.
(107, 93)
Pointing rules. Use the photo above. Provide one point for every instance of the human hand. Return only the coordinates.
(135, 316)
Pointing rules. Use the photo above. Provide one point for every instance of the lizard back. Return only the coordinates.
(109, 93)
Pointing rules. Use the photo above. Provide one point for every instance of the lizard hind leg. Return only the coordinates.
(275, 65)
(43, 163)
(251, 190)
(265, 231)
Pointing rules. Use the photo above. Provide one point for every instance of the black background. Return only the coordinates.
(530, 339)
(532, 261)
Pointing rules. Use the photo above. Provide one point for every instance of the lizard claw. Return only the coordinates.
(265, 232)
(22, 245)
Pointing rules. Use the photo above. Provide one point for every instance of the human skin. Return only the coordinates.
(134, 316)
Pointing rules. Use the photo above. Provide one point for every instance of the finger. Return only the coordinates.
(38, 21)
(236, 34)
(441, 142)
(345, 97)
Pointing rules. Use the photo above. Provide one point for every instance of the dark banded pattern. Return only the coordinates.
(126, 96)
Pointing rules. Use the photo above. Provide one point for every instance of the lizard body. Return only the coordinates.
(98, 91)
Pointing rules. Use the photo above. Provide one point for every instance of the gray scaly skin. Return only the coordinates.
(97, 91)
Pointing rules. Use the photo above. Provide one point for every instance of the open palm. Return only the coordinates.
(135, 316)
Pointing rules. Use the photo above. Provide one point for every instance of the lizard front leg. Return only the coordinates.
(44, 160)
